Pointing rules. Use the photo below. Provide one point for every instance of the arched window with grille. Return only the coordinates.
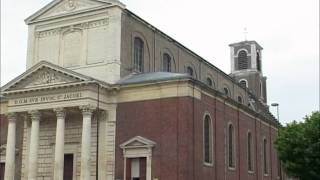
(242, 60)
(166, 62)
(231, 146)
(249, 152)
(265, 158)
(207, 139)
(226, 91)
(138, 54)
(190, 71)
(209, 82)
(243, 83)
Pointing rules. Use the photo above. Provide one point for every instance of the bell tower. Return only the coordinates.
(246, 67)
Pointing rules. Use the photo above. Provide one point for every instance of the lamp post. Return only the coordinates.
(279, 162)
(276, 105)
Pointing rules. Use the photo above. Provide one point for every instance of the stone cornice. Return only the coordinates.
(35, 17)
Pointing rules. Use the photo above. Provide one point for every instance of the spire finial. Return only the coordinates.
(245, 33)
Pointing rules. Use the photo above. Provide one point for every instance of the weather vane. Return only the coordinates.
(245, 33)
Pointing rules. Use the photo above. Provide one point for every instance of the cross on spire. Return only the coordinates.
(245, 33)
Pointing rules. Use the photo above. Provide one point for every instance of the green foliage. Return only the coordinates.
(298, 146)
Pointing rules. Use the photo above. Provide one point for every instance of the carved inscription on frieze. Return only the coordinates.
(47, 98)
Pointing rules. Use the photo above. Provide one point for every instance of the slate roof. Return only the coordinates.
(151, 77)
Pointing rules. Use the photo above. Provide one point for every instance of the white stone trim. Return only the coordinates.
(247, 84)
(138, 147)
(242, 49)
(253, 57)
(261, 89)
(232, 58)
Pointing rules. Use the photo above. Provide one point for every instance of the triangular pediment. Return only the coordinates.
(59, 8)
(44, 74)
(138, 141)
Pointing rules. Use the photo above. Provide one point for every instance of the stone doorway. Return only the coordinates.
(136, 168)
(2, 165)
(68, 167)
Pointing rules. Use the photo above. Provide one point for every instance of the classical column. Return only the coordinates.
(86, 142)
(59, 147)
(34, 145)
(149, 167)
(11, 147)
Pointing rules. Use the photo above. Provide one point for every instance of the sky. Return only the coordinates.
(288, 30)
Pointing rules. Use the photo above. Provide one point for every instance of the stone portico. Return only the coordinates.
(60, 110)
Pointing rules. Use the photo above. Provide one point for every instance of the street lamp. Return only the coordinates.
(276, 105)
(279, 162)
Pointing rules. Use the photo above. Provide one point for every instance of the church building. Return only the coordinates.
(108, 96)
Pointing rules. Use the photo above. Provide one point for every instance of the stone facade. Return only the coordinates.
(82, 102)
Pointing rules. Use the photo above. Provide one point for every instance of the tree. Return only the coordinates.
(298, 146)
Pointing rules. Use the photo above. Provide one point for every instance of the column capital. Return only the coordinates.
(87, 110)
(12, 116)
(60, 112)
(35, 115)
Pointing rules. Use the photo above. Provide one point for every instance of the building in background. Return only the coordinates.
(107, 95)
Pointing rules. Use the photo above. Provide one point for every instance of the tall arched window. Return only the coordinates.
(265, 160)
(138, 54)
(166, 62)
(207, 138)
(190, 71)
(243, 83)
(209, 82)
(258, 62)
(231, 145)
(226, 91)
(240, 99)
(261, 89)
(242, 60)
(249, 151)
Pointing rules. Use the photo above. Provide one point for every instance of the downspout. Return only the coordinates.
(193, 133)
(225, 140)
(270, 149)
(256, 146)
(215, 138)
(238, 150)
(177, 126)
(154, 51)
(98, 115)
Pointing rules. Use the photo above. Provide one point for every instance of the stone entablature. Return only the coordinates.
(53, 100)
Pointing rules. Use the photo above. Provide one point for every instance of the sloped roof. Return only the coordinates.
(151, 77)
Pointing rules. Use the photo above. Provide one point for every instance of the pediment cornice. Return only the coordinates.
(61, 8)
(46, 75)
(138, 141)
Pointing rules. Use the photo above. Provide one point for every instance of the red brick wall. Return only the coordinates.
(168, 122)
(176, 125)
(3, 129)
